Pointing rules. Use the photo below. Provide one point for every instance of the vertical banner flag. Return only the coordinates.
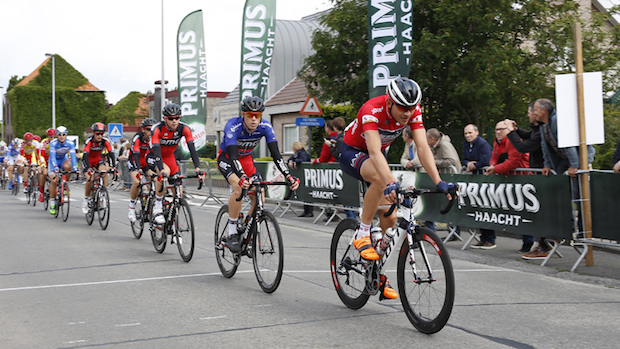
(389, 45)
(192, 75)
(257, 43)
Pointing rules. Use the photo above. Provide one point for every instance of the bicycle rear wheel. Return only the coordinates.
(103, 207)
(427, 299)
(226, 260)
(137, 227)
(184, 231)
(158, 233)
(65, 202)
(92, 206)
(28, 185)
(268, 253)
(34, 192)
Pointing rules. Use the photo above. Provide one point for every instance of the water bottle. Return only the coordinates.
(376, 234)
(385, 242)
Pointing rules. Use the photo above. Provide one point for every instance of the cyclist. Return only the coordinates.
(44, 152)
(241, 135)
(165, 138)
(93, 158)
(137, 162)
(379, 122)
(29, 151)
(62, 154)
(14, 159)
(3, 154)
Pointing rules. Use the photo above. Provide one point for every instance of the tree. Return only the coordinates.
(476, 61)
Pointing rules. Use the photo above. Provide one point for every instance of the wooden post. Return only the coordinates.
(583, 146)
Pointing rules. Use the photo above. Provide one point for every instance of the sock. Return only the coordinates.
(52, 202)
(132, 204)
(232, 226)
(158, 201)
(363, 231)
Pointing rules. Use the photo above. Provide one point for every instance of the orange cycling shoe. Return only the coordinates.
(386, 290)
(364, 246)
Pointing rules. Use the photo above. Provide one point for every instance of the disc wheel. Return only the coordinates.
(428, 298)
(347, 267)
(103, 207)
(226, 260)
(137, 227)
(268, 253)
(183, 226)
(64, 207)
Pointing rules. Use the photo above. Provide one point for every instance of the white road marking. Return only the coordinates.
(74, 342)
(127, 325)
(76, 323)
(213, 317)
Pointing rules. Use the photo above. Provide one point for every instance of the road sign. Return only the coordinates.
(115, 132)
(311, 107)
(309, 121)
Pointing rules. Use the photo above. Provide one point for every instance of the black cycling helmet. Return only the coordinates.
(172, 110)
(148, 122)
(404, 92)
(253, 104)
(98, 127)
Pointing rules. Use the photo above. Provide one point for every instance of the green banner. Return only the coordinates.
(389, 44)
(192, 75)
(604, 194)
(257, 43)
(531, 205)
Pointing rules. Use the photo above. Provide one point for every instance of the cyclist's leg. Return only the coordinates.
(103, 167)
(159, 197)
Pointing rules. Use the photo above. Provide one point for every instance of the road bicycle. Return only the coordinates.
(31, 184)
(62, 195)
(15, 186)
(4, 179)
(261, 240)
(99, 200)
(46, 194)
(146, 195)
(179, 223)
(424, 270)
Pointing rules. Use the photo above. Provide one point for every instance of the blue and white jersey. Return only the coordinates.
(59, 151)
(13, 151)
(4, 151)
(236, 133)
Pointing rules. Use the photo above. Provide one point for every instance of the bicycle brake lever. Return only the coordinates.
(243, 192)
(453, 194)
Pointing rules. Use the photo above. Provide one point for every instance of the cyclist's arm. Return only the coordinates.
(189, 138)
(73, 156)
(110, 150)
(277, 158)
(233, 154)
(425, 155)
(156, 149)
(373, 144)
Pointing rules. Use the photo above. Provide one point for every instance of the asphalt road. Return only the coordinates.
(69, 285)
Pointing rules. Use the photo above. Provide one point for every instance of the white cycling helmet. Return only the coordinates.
(61, 130)
(404, 92)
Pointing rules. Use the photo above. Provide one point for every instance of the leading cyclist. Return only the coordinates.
(241, 135)
(379, 122)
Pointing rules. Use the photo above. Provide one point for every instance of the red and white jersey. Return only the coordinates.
(374, 115)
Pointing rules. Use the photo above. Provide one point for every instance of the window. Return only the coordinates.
(291, 135)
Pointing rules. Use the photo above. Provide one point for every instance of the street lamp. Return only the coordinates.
(2, 110)
(53, 55)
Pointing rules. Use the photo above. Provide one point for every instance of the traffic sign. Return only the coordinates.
(311, 107)
(115, 132)
(309, 121)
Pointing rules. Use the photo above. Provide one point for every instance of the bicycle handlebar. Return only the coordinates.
(415, 192)
(263, 184)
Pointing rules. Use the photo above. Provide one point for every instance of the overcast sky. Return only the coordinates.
(116, 44)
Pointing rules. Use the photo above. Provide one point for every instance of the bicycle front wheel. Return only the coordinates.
(426, 282)
(15, 185)
(347, 267)
(64, 207)
(184, 231)
(34, 194)
(103, 207)
(158, 233)
(226, 260)
(137, 227)
(28, 187)
(268, 253)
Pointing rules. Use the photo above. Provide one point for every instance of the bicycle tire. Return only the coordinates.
(226, 260)
(268, 252)
(158, 233)
(346, 266)
(15, 185)
(92, 205)
(103, 207)
(65, 201)
(29, 186)
(137, 227)
(427, 304)
(184, 230)
(34, 194)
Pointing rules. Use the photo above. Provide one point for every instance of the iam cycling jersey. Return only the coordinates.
(93, 152)
(61, 152)
(164, 142)
(374, 115)
(139, 148)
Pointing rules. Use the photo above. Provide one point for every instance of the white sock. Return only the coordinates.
(363, 231)
(232, 226)
(132, 204)
(158, 201)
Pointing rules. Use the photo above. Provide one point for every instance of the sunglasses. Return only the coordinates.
(99, 133)
(62, 134)
(254, 115)
(174, 117)
(403, 109)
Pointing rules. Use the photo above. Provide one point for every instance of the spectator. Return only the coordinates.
(300, 155)
(504, 160)
(562, 160)
(338, 125)
(445, 156)
(326, 154)
(409, 159)
(527, 142)
(476, 150)
(616, 161)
